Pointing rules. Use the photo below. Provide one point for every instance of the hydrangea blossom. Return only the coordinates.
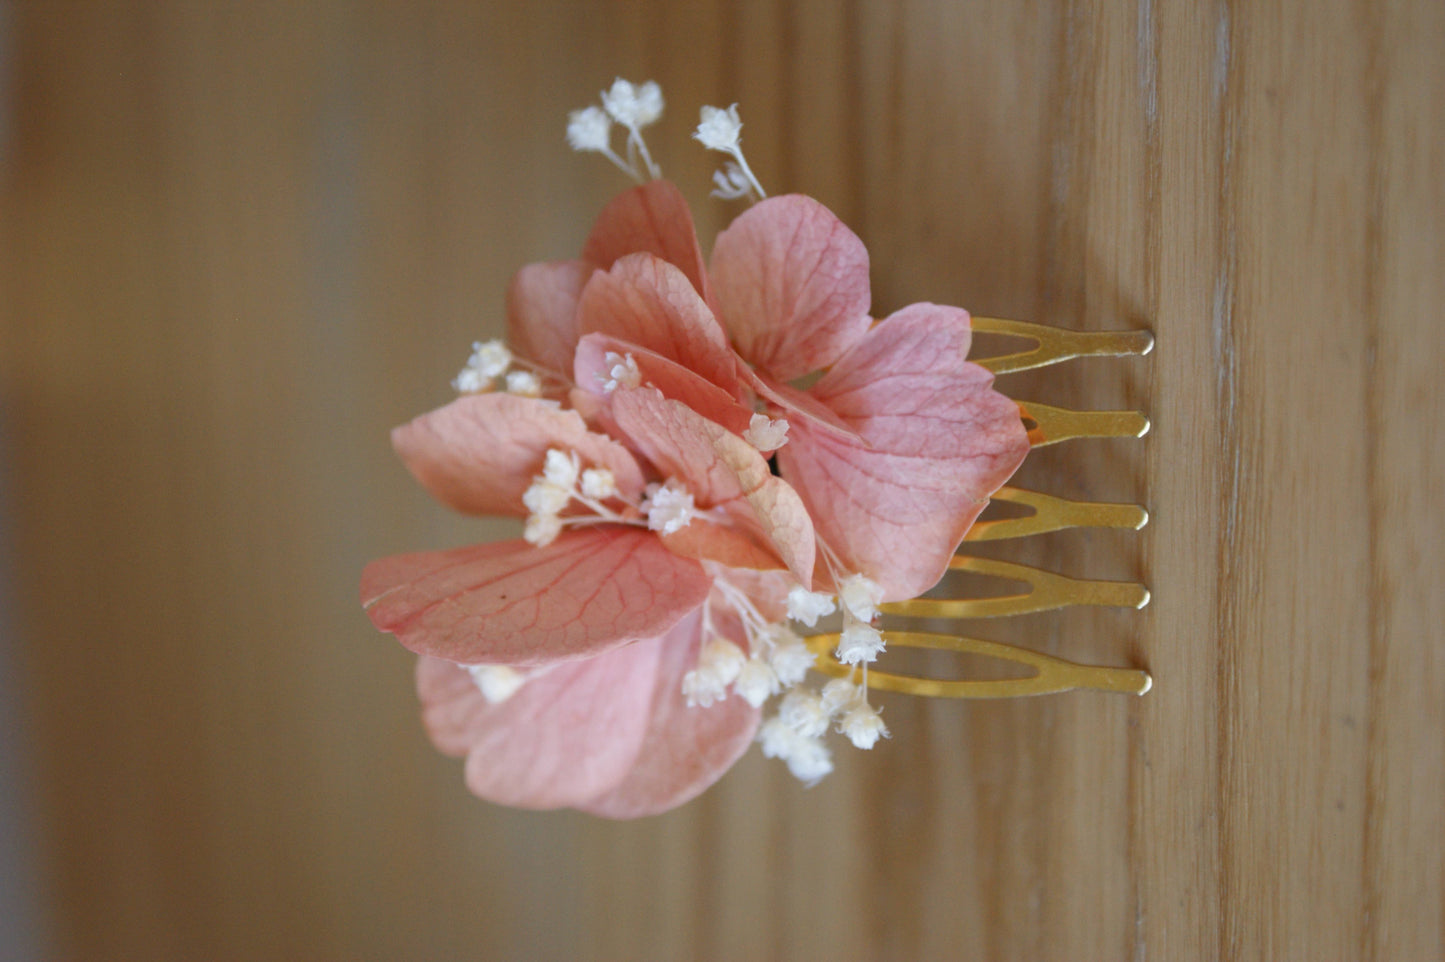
(615, 658)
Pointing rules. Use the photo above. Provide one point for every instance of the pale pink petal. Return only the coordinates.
(686, 749)
(791, 283)
(648, 302)
(675, 381)
(542, 313)
(511, 603)
(480, 452)
(786, 401)
(935, 441)
(652, 219)
(719, 468)
(569, 734)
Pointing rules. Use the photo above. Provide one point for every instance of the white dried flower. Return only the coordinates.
(669, 507)
(765, 433)
(632, 106)
(756, 682)
(497, 683)
(524, 383)
(589, 129)
(808, 606)
(860, 644)
(542, 529)
(863, 726)
(860, 596)
(803, 712)
(720, 129)
(561, 468)
(599, 484)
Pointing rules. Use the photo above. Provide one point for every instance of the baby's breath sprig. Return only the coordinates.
(721, 130)
(633, 106)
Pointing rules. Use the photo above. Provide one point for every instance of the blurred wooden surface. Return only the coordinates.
(243, 240)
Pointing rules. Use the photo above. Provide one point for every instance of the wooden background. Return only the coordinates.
(240, 241)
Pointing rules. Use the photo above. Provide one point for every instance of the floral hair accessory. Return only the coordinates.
(689, 505)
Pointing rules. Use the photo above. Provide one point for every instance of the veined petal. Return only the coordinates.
(672, 379)
(685, 749)
(542, 312)
(935, 440)
(653, 219)
(569, 734)
(791, 282)
(511, 603)
(719, 468)
(649, 302)
(479, 453)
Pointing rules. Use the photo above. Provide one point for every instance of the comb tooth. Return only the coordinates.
(1055, 345)
(1055, 514)
(1050, 674)
(1048, 591)
(1053, 425)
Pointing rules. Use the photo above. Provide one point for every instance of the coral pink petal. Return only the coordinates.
(648, 302)
(569, 734)
(542, 313)
(685, 749)
(479, 453)
(727, 545)
(719, 468)
(936, 441)
(511, 603)
(672, 379)
(791, 283)
(652, 219)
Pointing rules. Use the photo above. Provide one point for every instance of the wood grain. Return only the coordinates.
(242, 241)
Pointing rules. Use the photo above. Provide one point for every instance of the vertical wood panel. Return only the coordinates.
(241, 241)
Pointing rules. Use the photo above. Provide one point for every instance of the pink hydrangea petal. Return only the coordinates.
(718, 467)
(727, 545)
(653, 219)
(935, 441)
(649, 302)
(511, 603)
(542, 312)
(672, 379)
(685, 749)
(788, 402)
(791, 283)
(479, 453)
(569, 734)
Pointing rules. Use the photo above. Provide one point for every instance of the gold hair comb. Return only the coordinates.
(1047, 590)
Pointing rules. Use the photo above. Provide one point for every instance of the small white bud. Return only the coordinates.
(803, 712)
(544, 497)
(588, 129)
(470, 381)
(860, 643)
(719, 129)
(497, 683)
(621, 372)
(669, 507)
(808, 758)
(561, 468)
(861, 596)
(732, 183)
(542, 529)
(766, 434)
(701, 687)
(524, 383)
(723, 658)
(839, 695)
(863, 726)
(791, 659)
(633, 106)
(808, 606)
(598, 484)
(490, 359)
(756, 682)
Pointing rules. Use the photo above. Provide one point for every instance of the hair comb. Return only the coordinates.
(1047, 590)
